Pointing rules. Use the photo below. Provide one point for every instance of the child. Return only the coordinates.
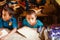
(32, 22)
(8, 21)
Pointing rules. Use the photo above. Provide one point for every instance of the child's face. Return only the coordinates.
(31, 17)
(5, 15)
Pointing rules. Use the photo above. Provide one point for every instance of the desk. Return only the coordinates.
(17, 36)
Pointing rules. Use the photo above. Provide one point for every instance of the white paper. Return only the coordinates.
(4, 32)
(28, 32)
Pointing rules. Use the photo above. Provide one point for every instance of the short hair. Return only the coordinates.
(1, 0)
(29, 12)
(10, 10)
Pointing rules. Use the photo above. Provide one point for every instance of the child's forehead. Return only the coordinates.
(31, 16)
(4, 12)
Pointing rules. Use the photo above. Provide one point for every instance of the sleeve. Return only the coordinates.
(15, 25)
(40, 24)
(24, 22)
(1, 23)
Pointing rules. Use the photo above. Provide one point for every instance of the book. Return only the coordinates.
(28, 32)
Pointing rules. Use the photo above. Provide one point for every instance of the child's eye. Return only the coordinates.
(4, 14)
(32, 18)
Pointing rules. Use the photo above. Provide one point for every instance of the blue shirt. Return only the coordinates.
(37, 25)
(12, 23)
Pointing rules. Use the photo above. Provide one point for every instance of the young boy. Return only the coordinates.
(8, 21)
(32, 22)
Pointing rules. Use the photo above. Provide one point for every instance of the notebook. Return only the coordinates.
(28, 32)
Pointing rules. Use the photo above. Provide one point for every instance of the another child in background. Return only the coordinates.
(8, 21)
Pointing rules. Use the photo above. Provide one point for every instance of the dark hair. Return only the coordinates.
(29, 12)
(1, 0)
(10, 10)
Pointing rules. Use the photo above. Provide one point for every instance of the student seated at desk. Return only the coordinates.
(32, 22)
(8, 21)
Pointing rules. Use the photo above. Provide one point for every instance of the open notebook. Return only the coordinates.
(28, 32)
(4, 33)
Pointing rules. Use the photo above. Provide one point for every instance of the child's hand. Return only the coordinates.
(0, 33)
